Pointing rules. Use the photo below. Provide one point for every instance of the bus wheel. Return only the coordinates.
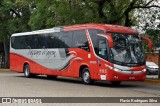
(26, 71)
(86, 78)
(51, 77)
(115, 82)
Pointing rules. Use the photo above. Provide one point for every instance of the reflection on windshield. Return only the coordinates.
(127, 49)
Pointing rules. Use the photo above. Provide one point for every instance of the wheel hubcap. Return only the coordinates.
(86, 76)
(27, 71)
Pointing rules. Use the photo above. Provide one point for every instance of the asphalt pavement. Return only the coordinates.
(16, 85)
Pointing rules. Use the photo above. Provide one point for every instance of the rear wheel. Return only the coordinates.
(26, 70)
(86, 78)
(115, 82)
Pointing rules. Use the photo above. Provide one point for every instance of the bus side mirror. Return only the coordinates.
(109, 39)
(149, 42)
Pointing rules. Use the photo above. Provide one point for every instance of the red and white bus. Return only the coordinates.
(89, 51)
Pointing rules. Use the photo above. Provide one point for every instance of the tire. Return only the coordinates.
(115, 83)
(86, 78)
(51, 77)
(26, 70)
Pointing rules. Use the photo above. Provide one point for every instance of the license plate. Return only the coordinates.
(131, 77)
(103, 77)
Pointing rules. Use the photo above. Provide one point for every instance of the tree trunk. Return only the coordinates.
(100, 8)
(6, 51)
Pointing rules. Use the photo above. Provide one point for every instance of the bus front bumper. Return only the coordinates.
(112, 75)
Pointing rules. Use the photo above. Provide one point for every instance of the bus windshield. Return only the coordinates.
(128, 50)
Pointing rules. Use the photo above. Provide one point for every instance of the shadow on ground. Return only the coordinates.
(78, 81)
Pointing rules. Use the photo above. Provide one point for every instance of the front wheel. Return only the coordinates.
(86, 78)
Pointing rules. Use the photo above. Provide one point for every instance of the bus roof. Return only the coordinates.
(107, 27)
(55, 29)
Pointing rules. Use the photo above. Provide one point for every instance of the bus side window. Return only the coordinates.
(66, 40)
(94, 37)
(53, 40)
(29, 40)
(18, 42)
(80, 40)
(102, 48)
(40, 41)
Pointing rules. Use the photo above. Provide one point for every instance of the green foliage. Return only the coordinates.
(14, 18)
(154, 35)
(40, 14)
(52, 13)
(26, 15)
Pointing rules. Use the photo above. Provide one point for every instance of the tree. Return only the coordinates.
(65, 12)
(52, 13)
(148, 17)
(20, 15)
(121, 11)
(154, 34)
(14, 18)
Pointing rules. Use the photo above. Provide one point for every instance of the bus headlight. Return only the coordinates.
(144, 70)
(110, 67)
(116, 69)
(113, 68)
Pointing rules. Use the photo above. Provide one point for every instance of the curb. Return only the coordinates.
(152, 81)
(3, 69)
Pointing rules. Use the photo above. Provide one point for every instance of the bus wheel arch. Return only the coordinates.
(81, 70)
(84, 73)
(26, 63)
